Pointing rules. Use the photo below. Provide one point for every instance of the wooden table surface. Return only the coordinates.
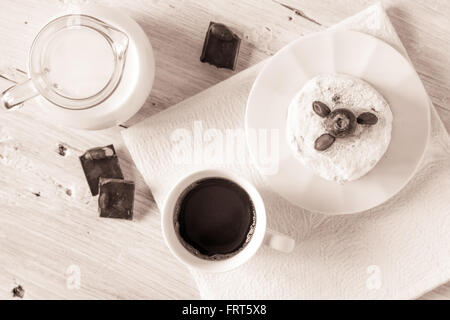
(50, 232)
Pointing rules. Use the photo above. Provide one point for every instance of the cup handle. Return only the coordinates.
(279, 241)
(18, 94)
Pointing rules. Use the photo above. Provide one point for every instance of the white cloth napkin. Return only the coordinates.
(398, 250)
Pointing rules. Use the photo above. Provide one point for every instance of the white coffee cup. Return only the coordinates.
(261, 233)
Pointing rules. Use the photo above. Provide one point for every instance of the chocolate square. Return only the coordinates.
(221, 47)
(100, 162)
(116, 198)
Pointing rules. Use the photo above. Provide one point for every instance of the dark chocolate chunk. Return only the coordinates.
(221, 47)
(100, 162)
(116, 198)
(62, 150)
(18, 292)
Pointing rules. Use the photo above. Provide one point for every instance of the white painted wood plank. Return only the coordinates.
(41, 236)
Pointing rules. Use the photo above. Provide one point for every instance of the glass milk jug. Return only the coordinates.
(89, 70)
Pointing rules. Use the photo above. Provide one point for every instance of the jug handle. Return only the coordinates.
(16, 95)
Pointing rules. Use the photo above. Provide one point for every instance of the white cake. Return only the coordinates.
(350, 157)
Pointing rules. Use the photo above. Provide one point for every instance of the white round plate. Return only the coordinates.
(355, 54)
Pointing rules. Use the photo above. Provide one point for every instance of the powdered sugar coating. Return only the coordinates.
(348, 158)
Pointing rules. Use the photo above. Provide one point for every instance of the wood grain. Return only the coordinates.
(49, 221)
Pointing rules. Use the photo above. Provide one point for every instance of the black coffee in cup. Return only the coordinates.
(214, 218)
